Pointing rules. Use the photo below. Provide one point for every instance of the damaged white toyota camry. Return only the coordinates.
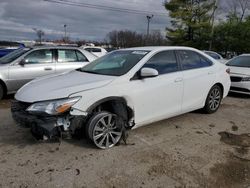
(122, 90)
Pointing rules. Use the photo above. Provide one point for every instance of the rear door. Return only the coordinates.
(198, 76)
(37, 63)
(69, 59)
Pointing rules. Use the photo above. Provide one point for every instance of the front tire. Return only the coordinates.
(104, 129)
(213, 100)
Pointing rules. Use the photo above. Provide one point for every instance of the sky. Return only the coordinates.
(18, 18)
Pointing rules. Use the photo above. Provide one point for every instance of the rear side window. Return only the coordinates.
(192, 60)
(65, 56)
(163, 62)
(81, 57)
(213, 55)
(93, 50)
(96, 50)
(39, 57)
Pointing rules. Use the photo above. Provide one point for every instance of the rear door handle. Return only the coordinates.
(47, 68)
(178, 80)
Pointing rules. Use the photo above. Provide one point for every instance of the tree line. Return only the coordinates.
(210, 25)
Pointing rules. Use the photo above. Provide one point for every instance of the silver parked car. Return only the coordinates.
(26, 64)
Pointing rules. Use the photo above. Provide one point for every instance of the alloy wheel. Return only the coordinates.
(214, 99)
(107, 133)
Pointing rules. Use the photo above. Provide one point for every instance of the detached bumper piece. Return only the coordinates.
(42, 127)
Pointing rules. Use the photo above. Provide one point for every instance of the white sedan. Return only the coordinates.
(240, 74)
(125, 89)
(97, 51)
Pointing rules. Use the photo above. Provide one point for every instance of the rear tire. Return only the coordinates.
(1, 91)
(213, 100)
(104, 129)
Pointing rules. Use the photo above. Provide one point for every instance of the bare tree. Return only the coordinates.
(238, 8)
(40, 33)
(244, 5)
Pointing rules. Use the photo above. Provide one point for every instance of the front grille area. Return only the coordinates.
(240, 89)
(236, 79)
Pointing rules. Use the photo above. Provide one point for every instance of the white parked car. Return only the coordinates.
(97, 51)
(240, 74)
(25, 64)
(216, 56)
(122, 90)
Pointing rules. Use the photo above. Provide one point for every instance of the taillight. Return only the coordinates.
(228, 71)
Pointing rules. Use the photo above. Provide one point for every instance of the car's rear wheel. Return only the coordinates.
(1, 91)
(213, 100)
(104, 129)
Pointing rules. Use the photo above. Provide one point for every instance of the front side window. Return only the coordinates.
(192, 60)
(39, 57)
(116, 63)
(241, 61)
(163, 62)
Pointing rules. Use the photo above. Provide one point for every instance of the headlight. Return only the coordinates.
(246, 79)
(53, 107)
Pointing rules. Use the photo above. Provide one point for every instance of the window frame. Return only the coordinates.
(35, 50)
(200, 56)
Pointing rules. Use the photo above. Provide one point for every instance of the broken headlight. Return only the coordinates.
(53, 107)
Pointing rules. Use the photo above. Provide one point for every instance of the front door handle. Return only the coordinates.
(178, 80)
(47, 68)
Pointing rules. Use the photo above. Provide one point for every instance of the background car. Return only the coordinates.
(97, 51)
(23, 65)
(216, 56)
(8, 47)
(240, 74)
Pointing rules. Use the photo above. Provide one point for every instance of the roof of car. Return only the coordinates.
(156, 48)
(245, 55)
(54, 47)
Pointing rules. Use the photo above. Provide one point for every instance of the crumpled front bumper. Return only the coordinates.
(40, 125)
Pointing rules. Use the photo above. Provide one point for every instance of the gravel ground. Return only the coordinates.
(192, 150)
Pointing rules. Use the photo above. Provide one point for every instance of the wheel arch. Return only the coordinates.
(4, 86)
(117, 105)
(221, 87)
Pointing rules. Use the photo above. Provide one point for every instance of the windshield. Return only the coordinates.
(241, 61)
(116, 63)
(13, 55)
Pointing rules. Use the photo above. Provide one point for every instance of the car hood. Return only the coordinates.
(244, 71)
(61, 86)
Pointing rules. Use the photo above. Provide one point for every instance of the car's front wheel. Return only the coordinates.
(104, 129)
(213, 100)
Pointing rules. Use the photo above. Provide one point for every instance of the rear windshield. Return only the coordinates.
(241, 61)
(13, 55)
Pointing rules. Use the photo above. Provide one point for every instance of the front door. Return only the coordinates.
(159, 97)
(36, 64)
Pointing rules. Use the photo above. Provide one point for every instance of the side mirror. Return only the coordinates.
(148, 73)
(22, 62)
